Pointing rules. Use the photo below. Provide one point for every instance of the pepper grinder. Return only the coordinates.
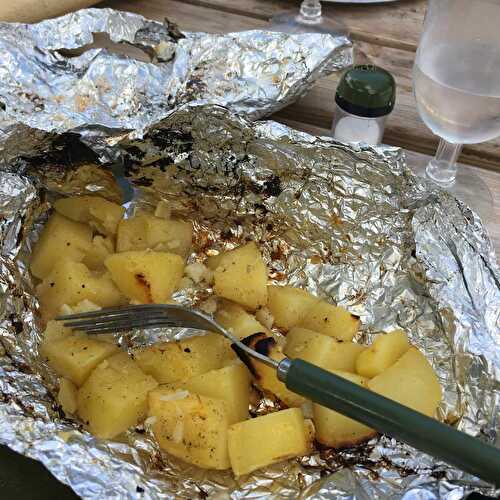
(364, 99)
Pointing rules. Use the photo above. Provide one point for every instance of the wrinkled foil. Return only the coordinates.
(50, 86)
(349, 223)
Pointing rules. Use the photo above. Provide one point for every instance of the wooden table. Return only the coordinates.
(383, 34)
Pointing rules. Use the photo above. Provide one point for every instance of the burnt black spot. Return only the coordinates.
(272, 187)
(139, 489)
(187, 349)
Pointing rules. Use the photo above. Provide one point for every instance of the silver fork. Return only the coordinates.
(322, 387)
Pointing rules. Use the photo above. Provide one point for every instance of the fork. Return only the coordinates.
(385, 415)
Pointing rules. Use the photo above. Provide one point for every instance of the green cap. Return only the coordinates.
(367, 91)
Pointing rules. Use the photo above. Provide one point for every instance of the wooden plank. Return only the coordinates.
(393, 25)
(404, 127)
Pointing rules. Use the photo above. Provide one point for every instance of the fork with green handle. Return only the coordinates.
(385, 415)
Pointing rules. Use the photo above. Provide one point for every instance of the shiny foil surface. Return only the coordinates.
(349, 223)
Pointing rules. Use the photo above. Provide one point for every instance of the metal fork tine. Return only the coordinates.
(106, 321)
(114, 311)
(124, 327)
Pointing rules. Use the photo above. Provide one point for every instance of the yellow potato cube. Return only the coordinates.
(265, 376)
(167, 235)
(230, 384)
(239, 322)
(213, 261)
(67, 396)
(190, 427)
(75, 357)
(101, 214)
(331, 320)
(114, 397)
(60, 237)
(146, 276)
(101, 248)
(383, 353)
(54, 330)
(70, 283)
(131, 234)
(242, 277)
(177, 361)
(336, 430)
(266, 440)
(321, 350)
(410, 381)
(289, 305)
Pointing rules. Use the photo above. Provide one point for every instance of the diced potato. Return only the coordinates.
(239, 322)
(177, 361)
(266, 440)
(265, 376)
(383, 353)
(147, 231)
(336, 430)
(67, 396)
(54, 331)
(410, 381)
(230, 384)
(101, 248)
(168, 235)
(101, 214)
(60, 237)
(114, 397)
(190, 427)
(242, 277)
(75, 357)
(131, 234)
(321, 350)
(310, 433)
(331, 320)
(289, 305)
(147, 276)
(70, 283)
(213, 261)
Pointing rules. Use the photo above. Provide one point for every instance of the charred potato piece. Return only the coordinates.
(238, 321)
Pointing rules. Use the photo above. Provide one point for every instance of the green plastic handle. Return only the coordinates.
(388, 417)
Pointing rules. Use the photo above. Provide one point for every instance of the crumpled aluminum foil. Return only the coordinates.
(102, 95)
(348, 223)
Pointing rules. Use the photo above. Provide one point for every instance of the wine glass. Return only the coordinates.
(308, 20)
(457, 84)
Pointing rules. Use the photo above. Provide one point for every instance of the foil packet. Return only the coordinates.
(350, 223)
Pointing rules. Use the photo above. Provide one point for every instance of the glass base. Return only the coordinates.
(294, 22)
(467, 186)
(441, 172)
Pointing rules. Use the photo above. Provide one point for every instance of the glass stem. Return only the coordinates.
(310, 11)
(443, 167)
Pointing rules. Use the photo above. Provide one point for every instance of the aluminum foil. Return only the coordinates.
(48, 84)
(348, 223)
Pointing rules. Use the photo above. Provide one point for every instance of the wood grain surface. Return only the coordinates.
(383, 34)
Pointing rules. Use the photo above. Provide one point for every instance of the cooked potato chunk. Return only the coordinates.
(114, 397)
(54, 330)
(331, 320)
(67, 396)
(213, 261)
(60, 237)
(147, 276)
(71, 282)
(336, 430)
(289, 305)
(100, 249)
(242, 277)
(265, 376)
(101, 214)
(230, 384)
(383, 353)
(190, 427)
(147, 231)
(75, 357)
(240, 323)
(321, 350)
(179, 361)
(410, 381)
(266, 440)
